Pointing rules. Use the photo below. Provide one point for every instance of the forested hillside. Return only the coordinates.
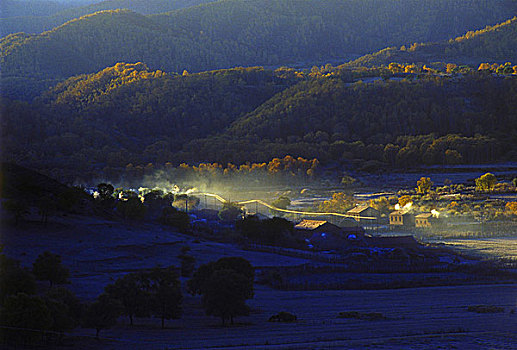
(99, 123)
(496, 43)
(332, 120)
(235, 32)
(37, 16)
(127, 113)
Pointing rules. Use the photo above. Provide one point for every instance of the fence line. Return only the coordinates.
(288, 211)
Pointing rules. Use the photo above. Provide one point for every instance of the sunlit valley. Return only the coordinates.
(264, 174)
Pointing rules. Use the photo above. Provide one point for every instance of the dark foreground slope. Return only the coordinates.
(233, 32)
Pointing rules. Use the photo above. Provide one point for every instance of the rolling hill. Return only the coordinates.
(37, 18)
(99, 123)
(115, 116)
(333, 120)
(233, 32)
(496, 43)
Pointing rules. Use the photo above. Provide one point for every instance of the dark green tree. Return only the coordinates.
(105, 191)
(102, 313)
(74, 308)
(166, 295)
(14, 279)
(225, 295)
(234, 276)
(25, 311)
(230, 212)
(132, 290)
(132, 208)
(281, 202)
(176, 218)
(48, 267)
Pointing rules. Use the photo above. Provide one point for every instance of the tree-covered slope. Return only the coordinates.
(99, 123)
(235, 32)
(496, 43)
(334, 120)
(127, 113)
(41, 19)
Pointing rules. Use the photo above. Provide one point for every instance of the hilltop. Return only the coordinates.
(230, 33)
(37, 16)
(496, 43)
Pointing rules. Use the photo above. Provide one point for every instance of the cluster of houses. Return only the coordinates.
(399, 218)
(323, 235)
(406, 219)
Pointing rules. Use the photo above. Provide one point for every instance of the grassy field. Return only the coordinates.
(421, 318)
(496, 248)
(99, 251)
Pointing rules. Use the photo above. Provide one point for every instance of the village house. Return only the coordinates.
(323, 235)
(309, 227)
(362, 213)
(316, 226)
(425, 220)
(402, 218)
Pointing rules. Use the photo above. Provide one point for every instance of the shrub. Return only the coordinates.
(485, 309)
(283, 316)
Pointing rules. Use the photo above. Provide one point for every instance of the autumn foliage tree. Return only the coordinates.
(423, 185)
(486, 182)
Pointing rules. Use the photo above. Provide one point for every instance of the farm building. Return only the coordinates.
(361, 212)
(310, 227)
(319, 226)
(425, 220)
(401, 218)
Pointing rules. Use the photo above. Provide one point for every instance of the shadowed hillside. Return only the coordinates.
(125, 112)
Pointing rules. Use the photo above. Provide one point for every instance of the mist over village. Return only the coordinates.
(258, 174)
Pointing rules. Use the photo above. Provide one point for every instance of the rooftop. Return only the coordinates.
(358, 210)
(424, 216)
(310, 224)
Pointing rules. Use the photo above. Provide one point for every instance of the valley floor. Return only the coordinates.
(417, 318)
(98, 251)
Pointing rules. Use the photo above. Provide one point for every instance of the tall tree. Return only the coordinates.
(48, 267)
(225, 285)
(132, 290)
(225, 295)
(102, 313)
(165, 293)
